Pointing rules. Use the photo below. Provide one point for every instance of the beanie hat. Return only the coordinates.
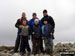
(44, 11)
(36, 20)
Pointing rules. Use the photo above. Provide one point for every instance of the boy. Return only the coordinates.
(25, 36)
(18, 26)
(47, 30)
(36, 33)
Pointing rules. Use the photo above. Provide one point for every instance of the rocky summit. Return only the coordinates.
(59, 47)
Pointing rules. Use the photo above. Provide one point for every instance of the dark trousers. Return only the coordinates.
(36, 45)
(24, 44)
(17, 43)
(41, 44)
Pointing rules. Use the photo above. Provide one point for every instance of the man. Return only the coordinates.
(19, 26)
(48, 18)
(50, 21)
(31, 23)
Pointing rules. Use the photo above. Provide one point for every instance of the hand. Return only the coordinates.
(20, 26)
(51, 33)
(33, 32)
(42, 38)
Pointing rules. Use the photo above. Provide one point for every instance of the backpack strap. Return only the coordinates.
(20, 19)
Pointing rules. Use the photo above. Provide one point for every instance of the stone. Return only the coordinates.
(16, 54)
(3, 54)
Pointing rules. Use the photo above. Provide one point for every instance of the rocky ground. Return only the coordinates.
(59, 47)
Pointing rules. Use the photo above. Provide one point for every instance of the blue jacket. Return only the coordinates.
(46, 30)
(31, 22)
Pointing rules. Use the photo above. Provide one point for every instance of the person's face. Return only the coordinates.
(23, 15)
(36, 23)
(44, 14)
(24, 22)
(34, 16)
(45, 22)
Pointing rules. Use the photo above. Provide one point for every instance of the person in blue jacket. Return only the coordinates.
(31, 23)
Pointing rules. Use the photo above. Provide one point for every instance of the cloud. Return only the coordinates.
(63, 12)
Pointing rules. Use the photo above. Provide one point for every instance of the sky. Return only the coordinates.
(62, 11)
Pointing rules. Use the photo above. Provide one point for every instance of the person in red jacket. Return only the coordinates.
(19, 26)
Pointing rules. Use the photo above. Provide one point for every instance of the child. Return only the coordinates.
(47, 30)
(36, 32)
(24, 40)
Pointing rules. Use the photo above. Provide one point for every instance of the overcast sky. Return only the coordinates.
(62, 11)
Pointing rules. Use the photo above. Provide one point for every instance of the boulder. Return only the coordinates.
(16, 54)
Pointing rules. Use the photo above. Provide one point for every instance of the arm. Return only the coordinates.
(17, 24)
(52, 21)
(40, 23)
(42, 20)
(29, 23)
(29, 30)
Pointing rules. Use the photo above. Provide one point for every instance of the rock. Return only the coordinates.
(59, 47)
(5, 51)
(64, 47)
(11, 51)
(16, 54)
(57, 54)
(74, 45)
(3, 54)
(70, 44)
(6, 48)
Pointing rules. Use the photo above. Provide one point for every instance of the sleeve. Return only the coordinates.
(29, 29)
(42, 20)
(52, 22)
(52, 30)
(40, 23)
(29, 23)
(17, 24)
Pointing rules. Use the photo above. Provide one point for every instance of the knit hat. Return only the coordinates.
(44, 11)
(36, 20)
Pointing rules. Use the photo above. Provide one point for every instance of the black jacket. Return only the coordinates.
(49, 19)
(19, 22)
